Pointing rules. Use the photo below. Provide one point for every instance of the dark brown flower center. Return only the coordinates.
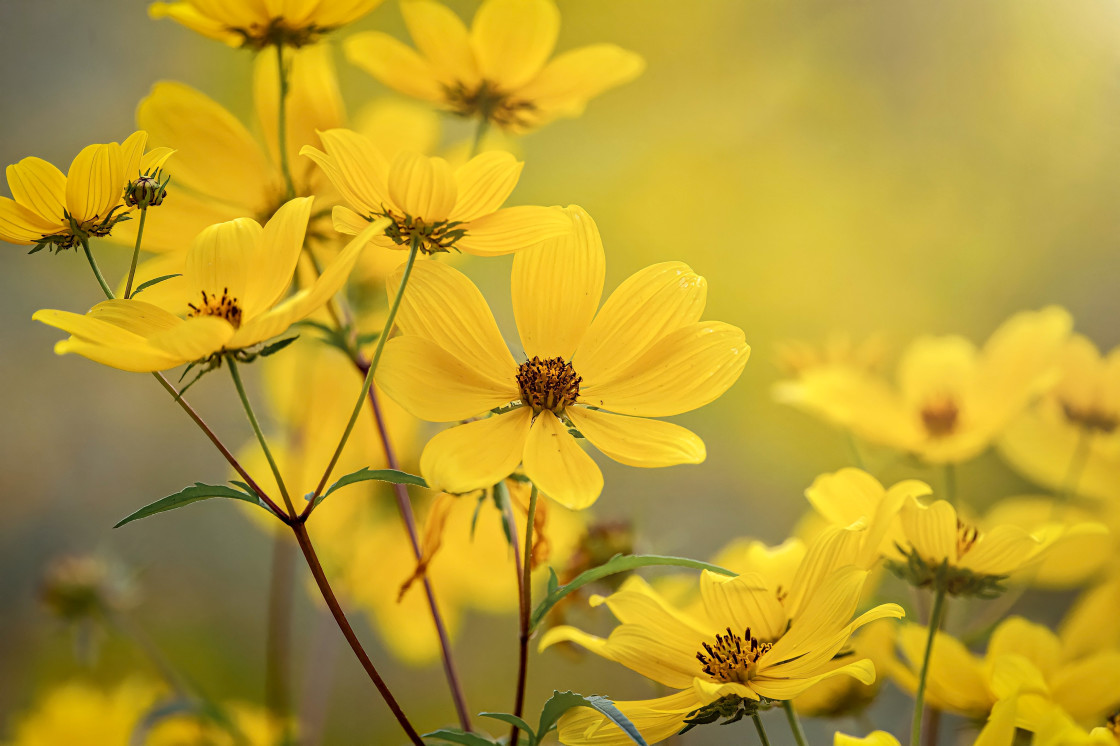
(488, 101)
(940, 416)
(430, 237)
(1113, 725)
(548, 384)
(1091, 418)
(224, 307)
(279, 32)
(732, 658)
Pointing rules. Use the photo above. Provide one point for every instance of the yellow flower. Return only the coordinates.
(795, 357)
(645, 354)
(1069, 441)
(239, 273)
(63, 211)
(749, 640)
(952, 400)
(260, 24)
(497, 71)
(439, 208)
(875, 738)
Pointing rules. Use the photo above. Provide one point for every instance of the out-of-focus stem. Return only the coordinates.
(526, 606)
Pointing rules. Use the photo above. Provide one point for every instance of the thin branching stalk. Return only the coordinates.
(278, 635)
(761, 731)
(282, 124)
(479, 135)
(136, 252)
(97, 271)
(526, 606)
(794, 724)
(920, 695)
(240, 386)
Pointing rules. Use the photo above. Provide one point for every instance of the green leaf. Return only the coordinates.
(365, 474)
(272, 349)
(454, 735)
(193, 494)
(506, 717)
(561, 702)
(154, 281)
(616, 564)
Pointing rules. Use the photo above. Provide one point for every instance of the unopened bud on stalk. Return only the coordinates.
(80, 587)
(146, 191)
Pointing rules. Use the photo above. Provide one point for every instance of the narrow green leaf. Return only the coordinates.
(506, 717)
(616, 564)
(561, 702)
(454, 735)
(153, 281)
(186, 496)
(366, 474)
(272, 349)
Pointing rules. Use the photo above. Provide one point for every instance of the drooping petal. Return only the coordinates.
(1035, 642)
(478, 454)
(395, 64)
(20, 225)
(1089, 688)
(647, 306)
(484, 182)
(193, 19)
(513, 38)
(655, 719)
(422, 187)
(274, 256)
(931, 530)
(39, 187)
(194, 339)
(637, 441)
(556, 288)
(441, 38)
(1000, 551)
(684, 370)
(347, 221)
(511, 229)
(355, 167)
(571, 79)
(558, 466)
(862, 671)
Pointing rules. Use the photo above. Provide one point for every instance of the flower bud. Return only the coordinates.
(146, 191)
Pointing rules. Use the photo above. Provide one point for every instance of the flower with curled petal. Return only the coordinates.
(499, 70)
(645, 354)
(257, 24)
(240, 272)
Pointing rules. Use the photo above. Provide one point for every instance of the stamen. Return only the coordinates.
(732, 658)
(489, 102)
(548, 384)
(940, 416)
(966, 536)
(225, 307)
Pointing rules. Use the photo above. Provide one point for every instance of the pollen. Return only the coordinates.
(940, 416)
(224, 307)
(548, 384)
(967, 536)
(732, 658)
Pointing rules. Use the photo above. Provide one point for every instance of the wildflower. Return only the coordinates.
(240, 273)
(952, 400)
(257, 25)
(497, 71)
(429, 203)
(646, 354)
(64, 211)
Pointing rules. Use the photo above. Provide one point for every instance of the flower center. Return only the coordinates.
(967, 536)
(430, 238)
(732, 658)
(224, 307)
(1113, 725)
(489, 102)
(940, 415)
(278, 32)
(548, 384)
(1091, 418)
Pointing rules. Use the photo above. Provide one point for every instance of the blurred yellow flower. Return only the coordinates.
(952, 400)
(260, 24)
(430, 203)
(795, 356)
(645, 354)
(240, 273)
(875, 738)
(64, 211)
(1069, 440)
(498, 71)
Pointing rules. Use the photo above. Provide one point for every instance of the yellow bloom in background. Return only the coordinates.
(875, 738)
(645, 354)
(62, 211)
(748, 640)
(498, 71)
(795, 356)
(952, 400)
(239, 272)
(429, 202)
(1069, 440)
(260, 24)
(1088, 625)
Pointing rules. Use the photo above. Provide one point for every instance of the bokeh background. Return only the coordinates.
(881, 166)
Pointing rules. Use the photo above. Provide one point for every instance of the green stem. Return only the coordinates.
(368, 382)
(920, 695)
(526, 605)
(282, 125)
(136, 252)
(794, 724)
(1076, 464)
(278, 637)
(761, 731)
(479, 134)
(856, 454)
(97, 272)
(260, 434)
(951, 484)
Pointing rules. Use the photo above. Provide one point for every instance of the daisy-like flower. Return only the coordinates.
(498, 71)
(64, 211)
(257, 25)
(952, 400)
(240, 273)
(439, 208)
(749, 640)
(645, 354)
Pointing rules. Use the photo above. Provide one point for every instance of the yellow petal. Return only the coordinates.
(513, 38)
(636, 441)
(647, 306)
(132, 150)
(684, 370)
(394, 64)
(196, 21)
(274, 256)
(19, 225)
(221, 259)
(434, 385)
(95, 182)
(396, 124)
(556, 288)
(422, 187)
(931, 530)
(478, 454)
(347, 221)
(742, 603)
(512, 229)
(955, 681)
(363, 169)
(484, 182)
(874, 738)
(442, 38)
(39, 187)
(1020, 359)
(1089, 689)
(655, 719)
(1000, 551)
(846, 496)
(175, 224)
(194, 339)
(558, 466)
(442, 305)
(862, 671)
(114, 333)
(1035, 642)
(569, 80)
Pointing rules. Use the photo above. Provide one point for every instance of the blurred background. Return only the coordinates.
(882, 166)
